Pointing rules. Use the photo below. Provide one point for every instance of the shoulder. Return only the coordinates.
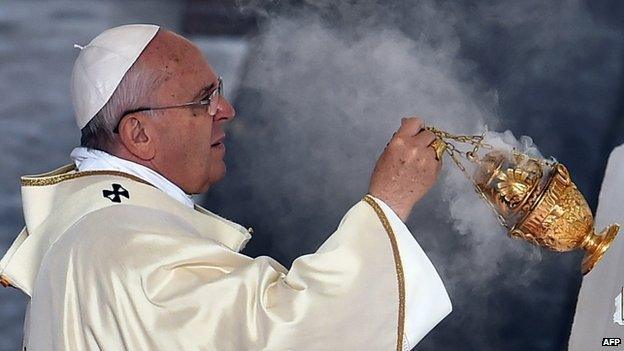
(131, 237)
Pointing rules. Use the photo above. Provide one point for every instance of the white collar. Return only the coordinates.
(97, 160)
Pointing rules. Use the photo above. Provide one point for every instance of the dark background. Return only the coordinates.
(319, 88)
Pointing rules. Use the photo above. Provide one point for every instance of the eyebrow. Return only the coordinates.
(204, 91)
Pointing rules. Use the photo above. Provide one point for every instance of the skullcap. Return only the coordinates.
(102, 64)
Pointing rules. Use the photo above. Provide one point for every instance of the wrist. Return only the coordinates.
(401, 209)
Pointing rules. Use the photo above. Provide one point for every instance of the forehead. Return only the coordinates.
(186, 70)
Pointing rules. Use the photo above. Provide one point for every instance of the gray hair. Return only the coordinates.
(135, 91)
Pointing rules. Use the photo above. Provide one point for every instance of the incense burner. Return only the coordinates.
(533, 198)
(537, 201)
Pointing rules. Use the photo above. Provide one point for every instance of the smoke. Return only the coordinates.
(335, 96)
(325, 89)
(467, 210)
(508, 143)
(305, 144)
(326, 85)
(489, 248)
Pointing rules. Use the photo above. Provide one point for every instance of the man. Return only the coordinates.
(115, 255)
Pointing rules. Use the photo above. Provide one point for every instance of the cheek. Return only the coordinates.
(200, 141)
(203, 135)
(178, 139)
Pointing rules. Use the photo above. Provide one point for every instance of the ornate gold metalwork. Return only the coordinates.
(533, 199)
(513, 185)
(439, 146)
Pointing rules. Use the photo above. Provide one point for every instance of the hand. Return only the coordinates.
(406, 169)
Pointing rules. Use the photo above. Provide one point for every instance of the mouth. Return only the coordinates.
(218, 142)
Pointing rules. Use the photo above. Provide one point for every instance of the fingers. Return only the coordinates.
(424, 138)
(410, 127)
(412, 132)
(423, 141)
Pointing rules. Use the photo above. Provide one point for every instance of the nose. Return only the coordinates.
(225, 110)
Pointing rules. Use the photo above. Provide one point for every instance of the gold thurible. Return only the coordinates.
(534, 199)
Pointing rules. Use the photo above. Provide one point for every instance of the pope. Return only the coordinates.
(115, 255)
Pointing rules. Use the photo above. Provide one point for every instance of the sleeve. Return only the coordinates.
(351, 294)
(427, 301)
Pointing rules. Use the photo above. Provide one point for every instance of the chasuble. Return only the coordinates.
(111, 262)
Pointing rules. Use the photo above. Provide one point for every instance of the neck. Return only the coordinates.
(91, 159)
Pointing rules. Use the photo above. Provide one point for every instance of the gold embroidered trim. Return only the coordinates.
(398, 264)
(55, 179)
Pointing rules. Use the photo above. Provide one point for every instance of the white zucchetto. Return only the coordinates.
(102, 64)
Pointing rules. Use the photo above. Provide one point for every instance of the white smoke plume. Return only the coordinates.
(326, 86)
(335, 97)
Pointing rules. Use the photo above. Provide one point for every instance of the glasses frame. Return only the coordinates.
(212, 101)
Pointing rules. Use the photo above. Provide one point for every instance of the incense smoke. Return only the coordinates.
(326, 85)
(332, 96)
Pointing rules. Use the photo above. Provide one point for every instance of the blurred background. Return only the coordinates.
(319, 88)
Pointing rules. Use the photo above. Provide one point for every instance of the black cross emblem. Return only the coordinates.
(115, 194)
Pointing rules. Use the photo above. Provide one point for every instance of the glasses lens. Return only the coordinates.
(214, 99)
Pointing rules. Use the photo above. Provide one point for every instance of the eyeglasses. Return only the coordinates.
(212, 101)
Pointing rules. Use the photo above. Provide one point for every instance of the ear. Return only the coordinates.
(137, 133)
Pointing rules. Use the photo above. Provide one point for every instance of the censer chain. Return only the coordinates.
(476, 141)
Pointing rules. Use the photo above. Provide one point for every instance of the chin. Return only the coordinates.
(216, 175)
(218, 172)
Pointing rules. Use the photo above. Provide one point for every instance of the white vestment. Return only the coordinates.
(599, 307)
(112, 262)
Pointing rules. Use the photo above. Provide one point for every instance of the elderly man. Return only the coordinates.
(115, 255)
